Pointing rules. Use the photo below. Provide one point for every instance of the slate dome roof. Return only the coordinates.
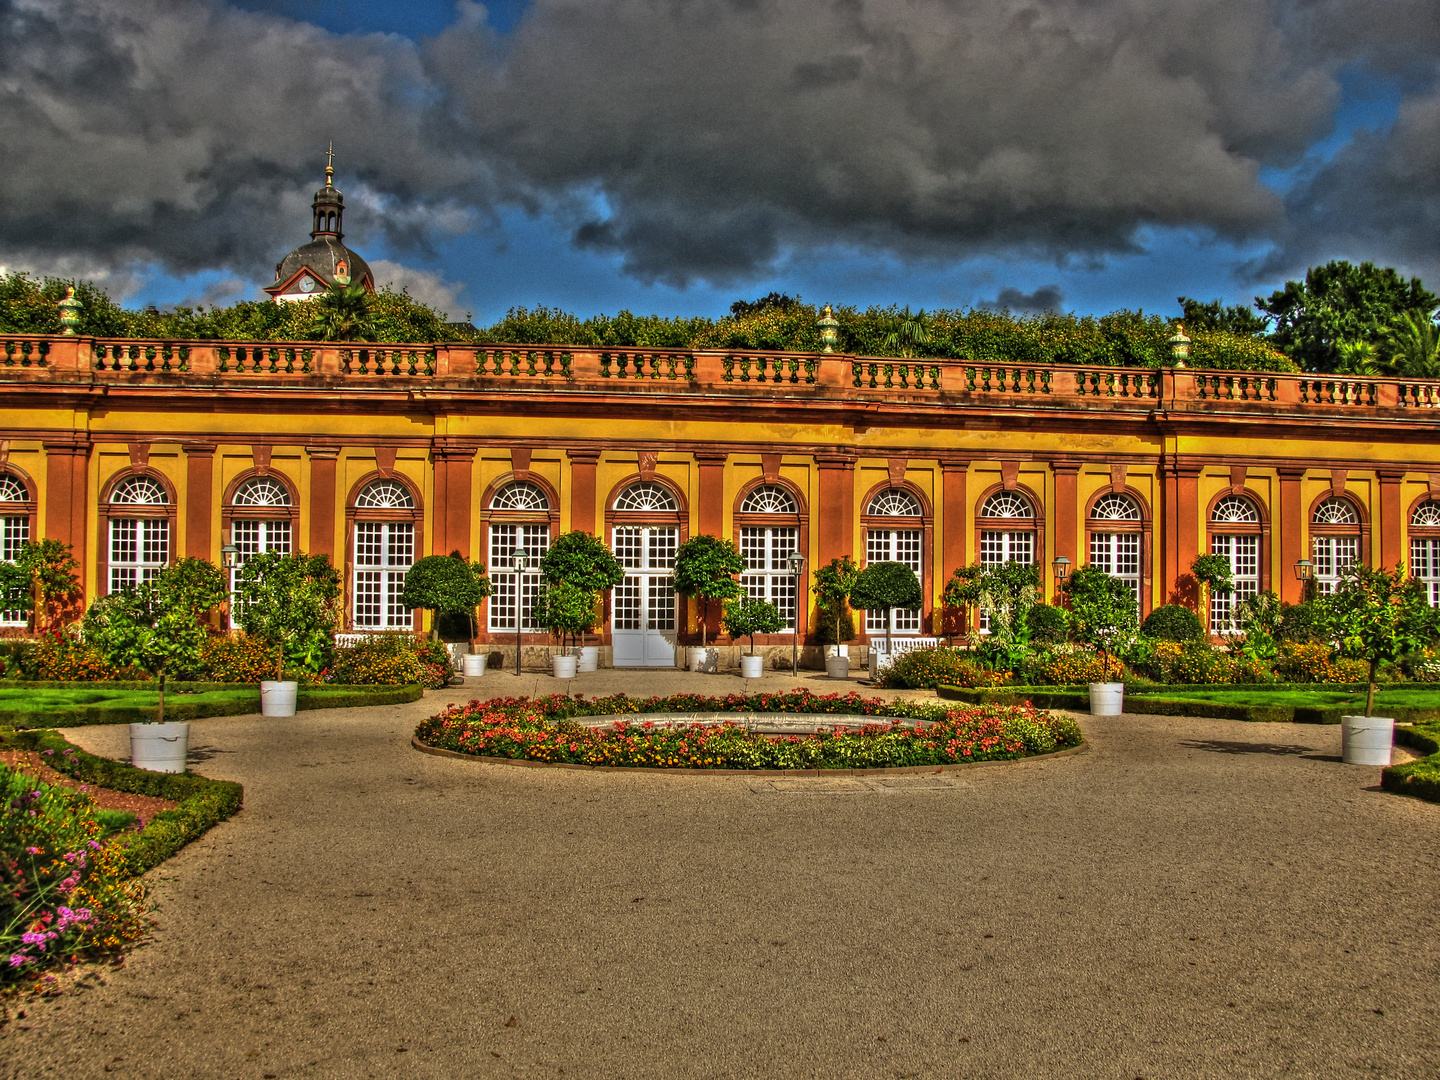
(312, 268)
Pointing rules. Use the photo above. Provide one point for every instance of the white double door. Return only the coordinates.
(642, 621)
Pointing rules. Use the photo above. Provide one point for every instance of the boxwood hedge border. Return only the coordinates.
(1419, 778)
(335, 696)
(203, 803)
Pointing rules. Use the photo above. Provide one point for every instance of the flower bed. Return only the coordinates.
(542, 729)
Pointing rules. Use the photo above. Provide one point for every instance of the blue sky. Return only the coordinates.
(524, 261)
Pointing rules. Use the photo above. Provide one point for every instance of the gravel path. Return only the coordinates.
(1189, 898)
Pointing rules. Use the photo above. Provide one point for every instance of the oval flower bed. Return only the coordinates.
(543, 729)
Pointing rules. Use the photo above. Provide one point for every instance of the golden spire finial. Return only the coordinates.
(330, 164)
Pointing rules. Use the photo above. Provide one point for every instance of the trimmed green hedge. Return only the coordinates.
(1419, 778)
(233, 700)
(202, 802)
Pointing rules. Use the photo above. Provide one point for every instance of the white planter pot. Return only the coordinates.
(752, 667)
(836, 650)
(1366, 740)
(704, 660)
(589, 658)
(837, 667)
(1107, 698)
(564, 667)
(457, 651)
(278, 698)
(474, 664)
(160, 747)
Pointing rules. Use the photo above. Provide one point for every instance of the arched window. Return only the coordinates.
(767, 541)
(1425, 547)
(139, 541)
(519, 521)
(14, 531)
(1334, 540)
(642, 497)
(1115, 539)
(384, 551)
(260, 514)
(1235, 535)
(897, 537)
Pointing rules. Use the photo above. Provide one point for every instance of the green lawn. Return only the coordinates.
(94, 703)
(1319, 698)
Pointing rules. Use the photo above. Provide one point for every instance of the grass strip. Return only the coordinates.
(1418, 778)
(203, 803)
(192, 701)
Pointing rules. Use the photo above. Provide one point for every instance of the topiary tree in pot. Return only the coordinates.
(883, 586)
(584, 562)
(445, 585)
(564, 609)
(746, 616)
(292, 603)
(157, 626)
(1103, 609)
(705, 568)
(833, 583)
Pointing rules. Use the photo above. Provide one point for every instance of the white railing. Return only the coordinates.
(880, 659)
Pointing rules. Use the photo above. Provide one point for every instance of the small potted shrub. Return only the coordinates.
(292, 603)
(447, 586)
(1103, 610)
(705, 569)
(156, 626)
(747, 616)
(564, 609)
(1376, 616)
(582, 560)
(833, 583)
(882, 586)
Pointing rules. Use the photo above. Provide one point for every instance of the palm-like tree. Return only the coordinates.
(1412, 347)
(342, 314)
(905, 332)
(1357, 358)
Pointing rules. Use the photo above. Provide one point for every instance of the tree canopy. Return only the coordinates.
(1338, 303)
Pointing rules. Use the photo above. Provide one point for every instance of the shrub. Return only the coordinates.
(381, 660)
(1172, 623)
(1048, 625)
(1198, 663)
(1298, 623)
(925, 669)
(242, 659)
(64, 897)
(1316, 662)
(1072, 668)
(60, 656)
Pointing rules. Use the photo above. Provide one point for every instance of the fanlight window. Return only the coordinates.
(140, 491)
(12, 490)
(385, 495)
(1334, 511)
(894, 502)
(520, 496)
(1427, 513)
(769, 500)
(1235, 509)
(262, 491)
(646, 496)
(1007, 504)
(1115, 507)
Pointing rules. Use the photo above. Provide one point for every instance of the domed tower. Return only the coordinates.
(312, 268)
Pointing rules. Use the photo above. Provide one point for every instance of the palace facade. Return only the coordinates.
(139, 452)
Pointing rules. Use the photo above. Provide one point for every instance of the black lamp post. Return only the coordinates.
(1061, 568)
(227, 564)
(1304, 570)
(521, 561)
(797, 568)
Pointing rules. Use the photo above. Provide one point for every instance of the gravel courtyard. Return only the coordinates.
(1189, 898)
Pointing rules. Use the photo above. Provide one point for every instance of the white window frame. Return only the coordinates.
(767, 575)
(505, 537)
(383, 552)
(146, 542)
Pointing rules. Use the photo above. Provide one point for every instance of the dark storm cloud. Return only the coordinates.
(694, 138)
(1045, 298)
